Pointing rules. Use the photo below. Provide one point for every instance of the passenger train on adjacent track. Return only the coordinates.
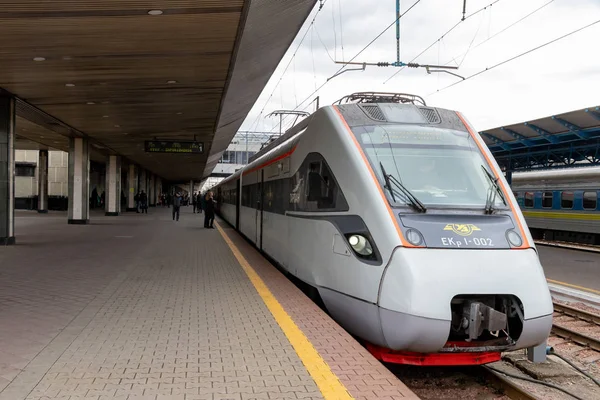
(561, 204)
(399, 217)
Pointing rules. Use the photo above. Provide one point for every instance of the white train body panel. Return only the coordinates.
(401, 296)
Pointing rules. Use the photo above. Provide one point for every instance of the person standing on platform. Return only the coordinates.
(209, 210)
(195, 201)
(136, 198)
(144, 202)
(176, 205)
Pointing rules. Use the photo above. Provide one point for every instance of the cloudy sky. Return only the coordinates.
(561, 77)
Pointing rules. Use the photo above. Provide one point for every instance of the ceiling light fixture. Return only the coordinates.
(90, 103)
(69, 84)
(105, 116)
(39, 58)
(171, 82)
(155, 12)
(117, 126)
(179, 113)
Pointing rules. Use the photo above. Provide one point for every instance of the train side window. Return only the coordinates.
(547, 199)
(314, 187)
(590, 200)
(528, 199)
(566, 200)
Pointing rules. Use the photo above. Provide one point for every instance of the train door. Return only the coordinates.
(238, 197)
(259, 208)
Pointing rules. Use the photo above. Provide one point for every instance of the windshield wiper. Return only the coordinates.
(493, 192)
(410, 198)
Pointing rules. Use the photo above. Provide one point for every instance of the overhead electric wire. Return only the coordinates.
(290, 62)
(359, 53)
(472, 41)
(341, 27)
(517, 56)
(503, 30)
(323, 43)
(440, 38)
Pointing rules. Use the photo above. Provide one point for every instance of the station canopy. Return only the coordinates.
(557, 141)
(122, 72)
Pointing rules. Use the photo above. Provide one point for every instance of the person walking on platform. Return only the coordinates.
(144, 202)
(209, 211)
(201, 202)
(176, 205)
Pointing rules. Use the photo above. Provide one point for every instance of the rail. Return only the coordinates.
(505, 385)
(579, 338)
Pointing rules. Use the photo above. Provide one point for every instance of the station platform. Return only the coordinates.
(573, 268)
(142, 307)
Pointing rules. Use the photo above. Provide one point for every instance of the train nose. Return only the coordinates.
(423, 289)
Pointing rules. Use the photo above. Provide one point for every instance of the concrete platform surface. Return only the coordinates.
(142, 307)
(573, 267)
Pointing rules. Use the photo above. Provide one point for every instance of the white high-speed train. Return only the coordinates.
(398, 215)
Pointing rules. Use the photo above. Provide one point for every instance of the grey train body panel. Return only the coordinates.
(401, 297)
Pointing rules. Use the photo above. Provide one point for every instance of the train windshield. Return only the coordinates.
(439, 167)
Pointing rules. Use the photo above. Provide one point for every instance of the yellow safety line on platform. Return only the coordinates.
(328, 383)
(574, 286)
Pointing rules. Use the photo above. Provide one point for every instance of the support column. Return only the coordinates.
(152, 192)
(158, 188)
(113, 186)
(79, 181)
(143, 181)
(7, 170)
(132, 187)
(43, 181)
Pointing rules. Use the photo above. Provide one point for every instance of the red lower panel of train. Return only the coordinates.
(433, 359)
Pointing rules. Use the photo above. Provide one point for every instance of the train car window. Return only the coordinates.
(529, 199)
(285, 165)
(590, 200)
(547, 199)
(566, 200)
(314, 187)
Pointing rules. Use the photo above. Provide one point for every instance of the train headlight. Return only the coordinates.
(360, 245)
(514, 238)
(414, 237)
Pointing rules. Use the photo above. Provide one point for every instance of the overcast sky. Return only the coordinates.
(561, 77)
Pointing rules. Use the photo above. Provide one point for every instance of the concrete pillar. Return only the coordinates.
(79, 181)
(7, 170)
(143, 181)
(152, 192)
(132, 187)
(159, 189)
(113, 186)
(43, 181)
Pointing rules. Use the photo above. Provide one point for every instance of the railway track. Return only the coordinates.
(481, 382)
(569, 245)
(506, 386)
(577, 337)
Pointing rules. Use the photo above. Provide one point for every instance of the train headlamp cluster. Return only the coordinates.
(361, 245)
(514, 238)
(414, 237)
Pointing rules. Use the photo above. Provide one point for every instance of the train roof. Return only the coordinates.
(563, 173)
